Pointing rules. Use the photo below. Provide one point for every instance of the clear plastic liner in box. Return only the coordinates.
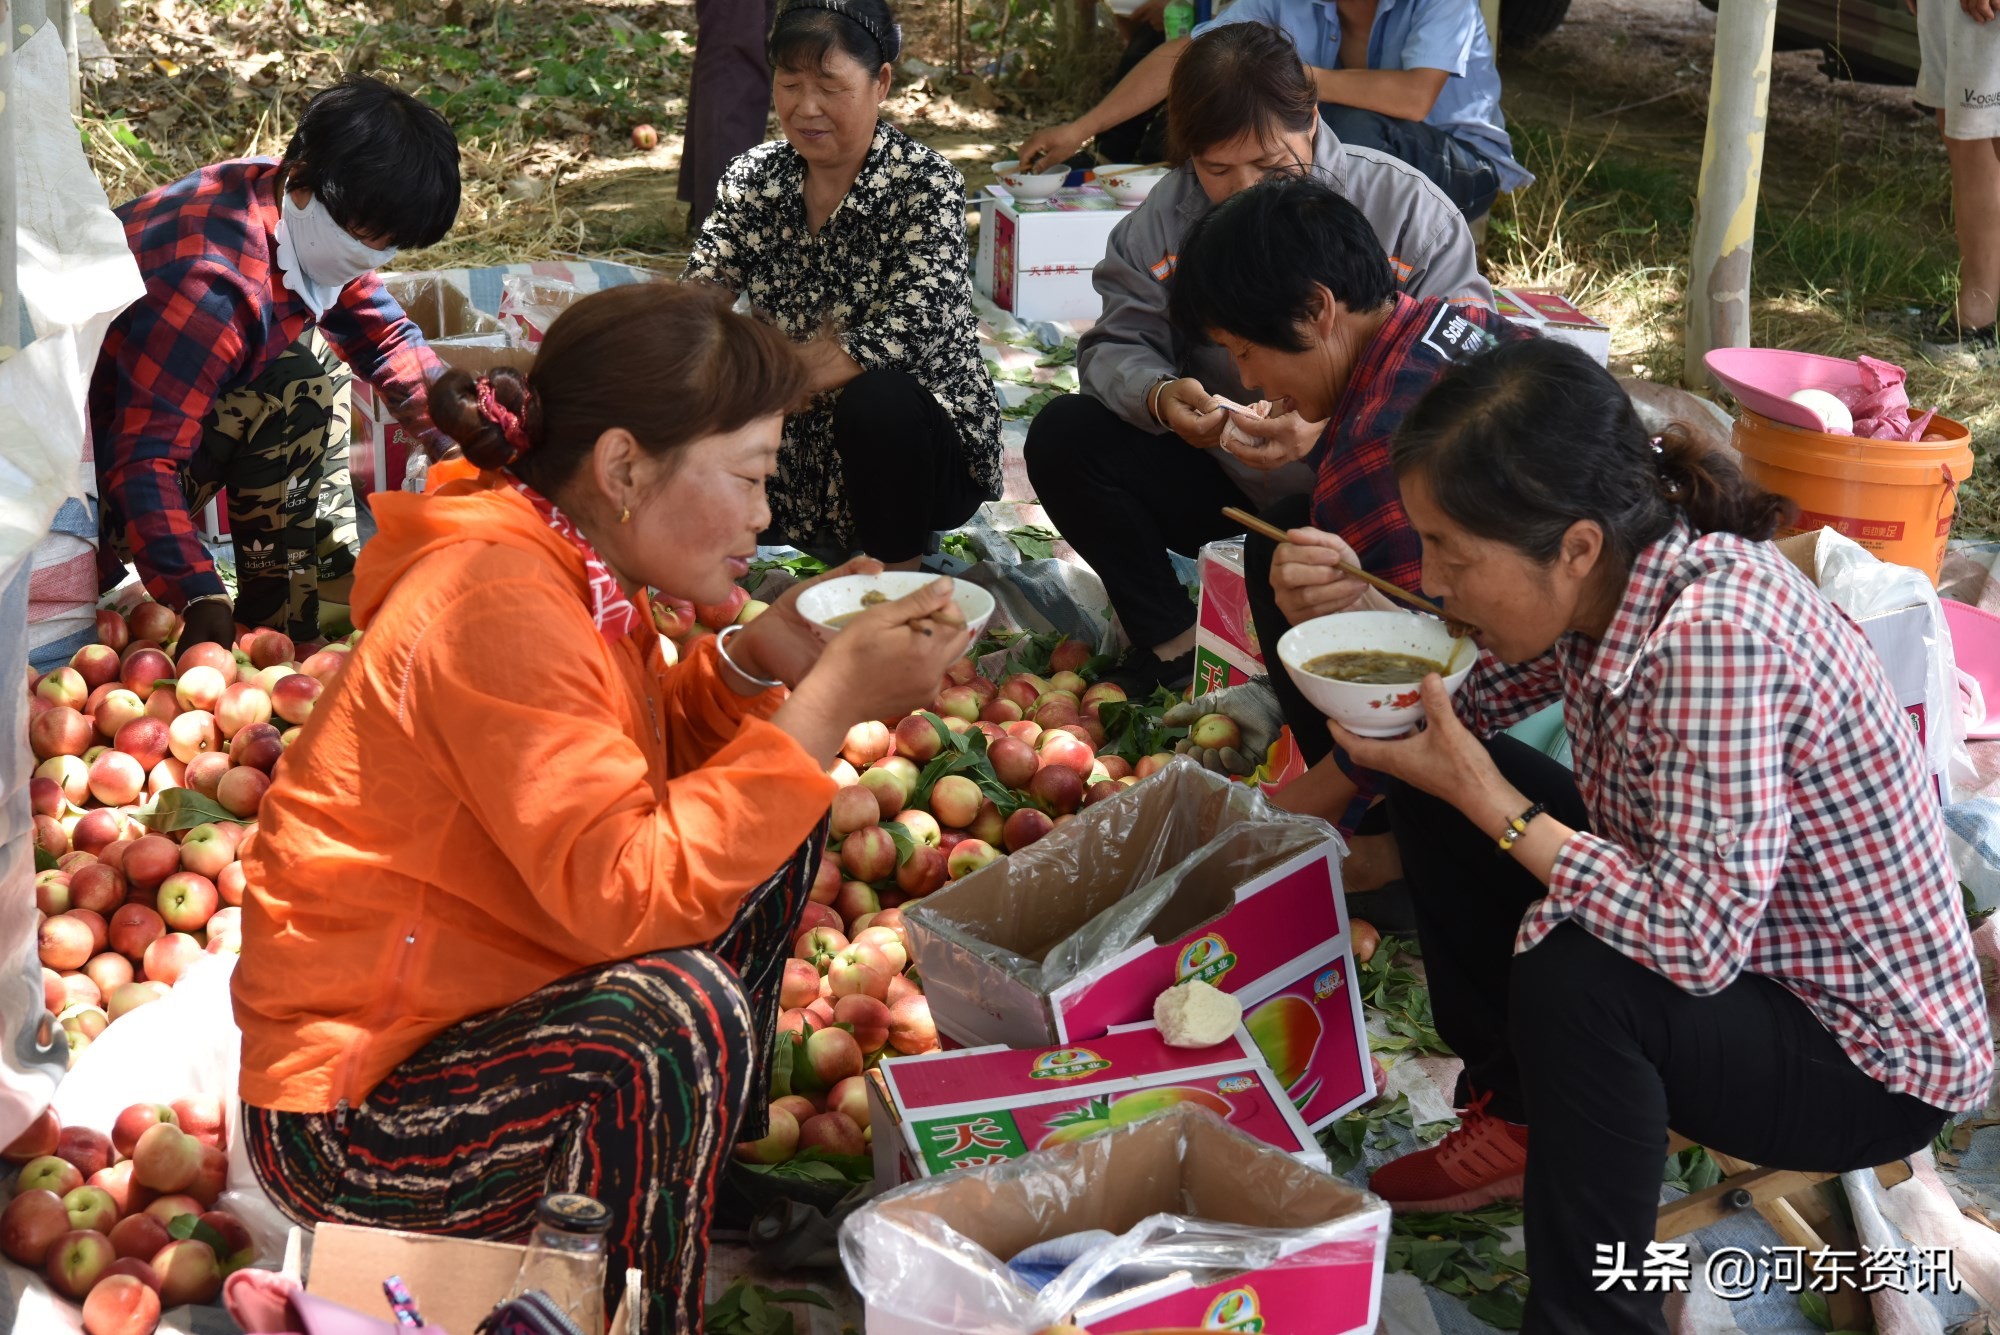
(1188, 1197)
(1127, 863)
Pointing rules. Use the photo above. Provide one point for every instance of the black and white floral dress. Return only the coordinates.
(888, 270)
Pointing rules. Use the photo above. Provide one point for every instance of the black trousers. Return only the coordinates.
(904, 466)
(1124, 498)
(1462, 172)
(1600, 1055)
(729, 95)
(1144, 137)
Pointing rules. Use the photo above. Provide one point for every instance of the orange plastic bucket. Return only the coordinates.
(1896, 499)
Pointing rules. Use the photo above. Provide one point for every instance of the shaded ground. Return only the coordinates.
(1853, 237)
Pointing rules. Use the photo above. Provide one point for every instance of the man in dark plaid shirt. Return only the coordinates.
(259, 282)
(1290, 278)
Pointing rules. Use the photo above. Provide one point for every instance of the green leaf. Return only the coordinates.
(905, 842)
(44, 860)
(781, 1065)
(1814, 1307)
(183, 809)
(1501, 1309)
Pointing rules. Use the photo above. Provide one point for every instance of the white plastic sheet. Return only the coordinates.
(76, 274)
(1860, 585)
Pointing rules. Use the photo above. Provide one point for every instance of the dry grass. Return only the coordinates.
(1839, 269)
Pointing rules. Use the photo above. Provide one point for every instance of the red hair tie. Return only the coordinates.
(496, 412)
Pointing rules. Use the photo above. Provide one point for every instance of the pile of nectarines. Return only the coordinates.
(125, 909)
(124, 1222)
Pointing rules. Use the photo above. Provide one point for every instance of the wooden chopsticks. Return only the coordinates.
(1276, 534)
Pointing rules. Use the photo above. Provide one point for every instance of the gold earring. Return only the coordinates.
(625, 515)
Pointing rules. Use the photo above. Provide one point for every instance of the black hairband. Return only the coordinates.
(889, 44)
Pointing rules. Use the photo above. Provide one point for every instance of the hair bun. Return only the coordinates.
(456, 411)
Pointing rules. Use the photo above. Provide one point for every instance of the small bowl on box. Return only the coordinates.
(828, 604)
(1131, 185)
(1365, 709)
(1029, 185)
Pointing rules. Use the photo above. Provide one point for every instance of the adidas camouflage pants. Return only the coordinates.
(278, 446)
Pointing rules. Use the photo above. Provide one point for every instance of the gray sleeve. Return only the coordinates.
(1447, 265)
(1132, 344)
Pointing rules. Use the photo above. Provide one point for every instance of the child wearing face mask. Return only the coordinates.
(261, 298)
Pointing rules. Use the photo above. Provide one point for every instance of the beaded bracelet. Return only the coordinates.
(1519, 826)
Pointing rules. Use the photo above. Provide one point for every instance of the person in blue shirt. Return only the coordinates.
(1413, 78)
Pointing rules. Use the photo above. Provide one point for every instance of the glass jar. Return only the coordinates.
(566, 1258)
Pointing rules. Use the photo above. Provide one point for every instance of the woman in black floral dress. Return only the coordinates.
(850, 237)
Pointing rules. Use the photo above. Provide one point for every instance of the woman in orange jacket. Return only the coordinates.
(521, 892)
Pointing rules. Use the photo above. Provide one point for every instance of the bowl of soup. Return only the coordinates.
(1132, 185)
(1363, 669)
(830, 605)
(1030, 184)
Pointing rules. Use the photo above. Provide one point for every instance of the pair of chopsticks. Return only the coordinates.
(1276, 534)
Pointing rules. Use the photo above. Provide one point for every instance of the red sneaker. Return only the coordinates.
(1479, 1163)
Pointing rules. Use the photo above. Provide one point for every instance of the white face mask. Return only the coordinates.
(318, 256)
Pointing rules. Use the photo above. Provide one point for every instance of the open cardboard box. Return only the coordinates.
(1216, 1232)
(1054, 945)
(455, 1281)
(462, 336)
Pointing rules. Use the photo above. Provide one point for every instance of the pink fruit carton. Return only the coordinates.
(1184, 876)
(1211, 1230)
(977, 1106)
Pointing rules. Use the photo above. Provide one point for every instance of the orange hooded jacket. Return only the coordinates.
(489, 797)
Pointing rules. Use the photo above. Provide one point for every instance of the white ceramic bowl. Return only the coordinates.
(832, 598)
(1133, 185)
(1029, 185)
(1371, 711)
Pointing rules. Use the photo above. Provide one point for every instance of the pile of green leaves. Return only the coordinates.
(1032, 652)
(1466, 1255)
(1034, 542)
(958, 753)
(751, 1309)
(1403, 999)
(1133, 728)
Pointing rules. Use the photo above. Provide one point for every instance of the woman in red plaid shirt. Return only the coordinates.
(1737, 918)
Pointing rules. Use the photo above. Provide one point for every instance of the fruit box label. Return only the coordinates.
(1224, 615)
(1331, 1289)
(1213, 672)
(1026, 1100)
(1303, 1011)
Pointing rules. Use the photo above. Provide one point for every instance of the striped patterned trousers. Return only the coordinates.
(627, 1082)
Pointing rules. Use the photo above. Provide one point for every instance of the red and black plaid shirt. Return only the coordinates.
(215, 315)
(1356, 495)
(1757, 802)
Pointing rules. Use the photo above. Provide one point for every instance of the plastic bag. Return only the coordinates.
(529, 304)
(1179, 1190)
(1863, 587)
(1135, 869)
(76, 274)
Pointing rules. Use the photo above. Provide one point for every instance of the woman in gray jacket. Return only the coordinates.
(1105, 462)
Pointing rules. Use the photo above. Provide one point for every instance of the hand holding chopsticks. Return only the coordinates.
(1276, 534)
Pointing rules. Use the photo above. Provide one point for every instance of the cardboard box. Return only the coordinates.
(1280, 1248)
(1553, 316)
(1035, 257)
(381, 445)
(455, 1281)
(1226, 651)
(950, 1110)
(1185, 876)
(1901, 640)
